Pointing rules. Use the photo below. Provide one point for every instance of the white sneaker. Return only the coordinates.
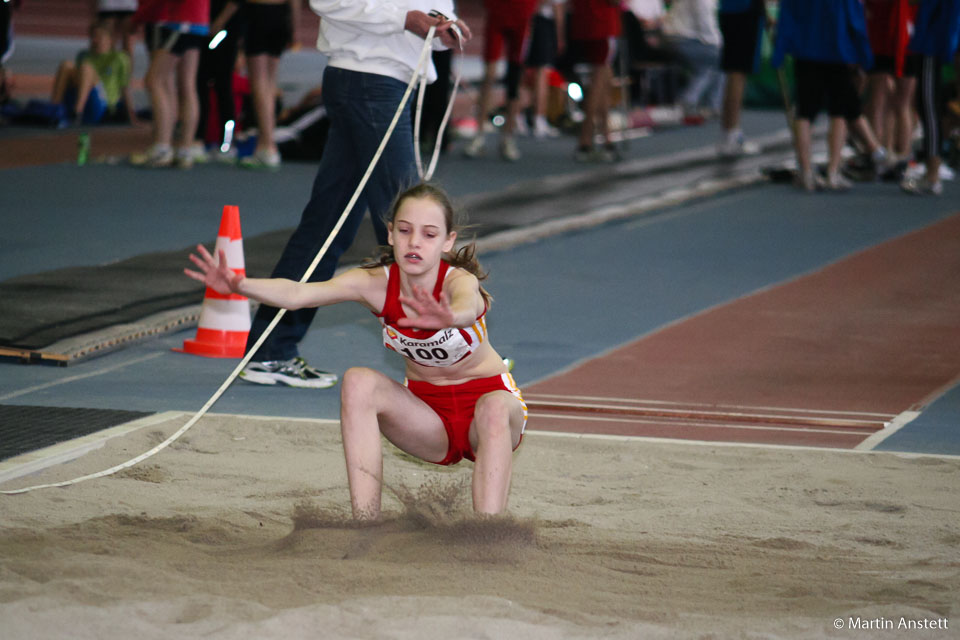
(157, 156)
(920, 186)
(197, 153)
(475, 148)
(836, 182)
(269, 160)
(184, 158)
(736, 145)
(520, 127)
(808, 182)
(293, 373)
(509, 150)
(543, 129)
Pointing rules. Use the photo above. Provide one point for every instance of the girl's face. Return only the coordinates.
(100, 40)
(419, 236)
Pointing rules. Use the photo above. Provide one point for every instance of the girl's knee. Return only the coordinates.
(359, 384)
(492, 415)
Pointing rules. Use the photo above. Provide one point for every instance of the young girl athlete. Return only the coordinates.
(458, 401)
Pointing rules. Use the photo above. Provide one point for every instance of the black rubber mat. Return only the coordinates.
(42, 308)
(25, 428)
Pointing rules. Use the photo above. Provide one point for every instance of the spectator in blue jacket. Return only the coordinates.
(936, 33)
(828, 40)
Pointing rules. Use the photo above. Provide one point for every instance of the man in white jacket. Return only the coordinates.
(372, 47)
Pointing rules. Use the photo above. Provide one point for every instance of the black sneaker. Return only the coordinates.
(293, 373)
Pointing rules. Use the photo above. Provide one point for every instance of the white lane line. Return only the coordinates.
(696, 414)
(898, 423)
(741, 445)
(537, 396)
(81, 376)
(690, 424)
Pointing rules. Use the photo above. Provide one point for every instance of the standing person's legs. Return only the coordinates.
(161, 85)
(598, 53)
(836, 137)
(475, 147)
(515, 37)
(903, 97)
(806, 179)
(810, 89)
(542, 54)
(216, 73)
(703, 62)
(733, 90)
(843, 100)
(160, 79)
(263, 85)
(360, 107)
(739, 57)
(189, 105)
(492, 50)
(928, 99)
(879, 100)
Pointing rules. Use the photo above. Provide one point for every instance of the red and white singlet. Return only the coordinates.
(427, 347)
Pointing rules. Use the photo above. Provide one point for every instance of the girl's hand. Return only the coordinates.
(214, 273)
(430, 313)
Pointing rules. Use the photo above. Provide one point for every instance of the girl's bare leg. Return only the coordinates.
(263, 84)
(495, 432)
(187, 93)
(160, 80)
(486, 95)
(836, 137)
(371, 404)
(66, 76)
(736, 83)
(803, 146)
(86, 80)
(903, 108)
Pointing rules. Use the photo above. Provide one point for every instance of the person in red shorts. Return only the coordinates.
(458, 400)
(893, 77)
(594, 28)
(506, 30)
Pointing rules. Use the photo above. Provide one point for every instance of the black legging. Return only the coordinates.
(216, 70)
(928, 105)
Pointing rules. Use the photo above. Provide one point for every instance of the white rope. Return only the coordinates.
(426, 175)
(280, 312)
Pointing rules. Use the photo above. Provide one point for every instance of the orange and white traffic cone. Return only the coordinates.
(224, 320)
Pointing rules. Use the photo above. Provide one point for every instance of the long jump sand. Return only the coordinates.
(240, 530)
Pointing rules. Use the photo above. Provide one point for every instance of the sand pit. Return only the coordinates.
(240, 530)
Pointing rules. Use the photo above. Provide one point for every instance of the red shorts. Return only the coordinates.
(506, 25)
(455, 405)
(594, 52)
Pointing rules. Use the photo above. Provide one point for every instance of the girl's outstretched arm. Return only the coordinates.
(357, 285)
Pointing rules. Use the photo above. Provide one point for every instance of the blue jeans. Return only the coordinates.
(706, 79)
(360, 107)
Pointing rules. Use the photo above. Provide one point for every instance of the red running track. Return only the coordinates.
(823, 360)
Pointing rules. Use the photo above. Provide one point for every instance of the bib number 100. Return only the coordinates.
(426, 354)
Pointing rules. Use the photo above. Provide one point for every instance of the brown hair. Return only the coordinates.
(464, 258)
